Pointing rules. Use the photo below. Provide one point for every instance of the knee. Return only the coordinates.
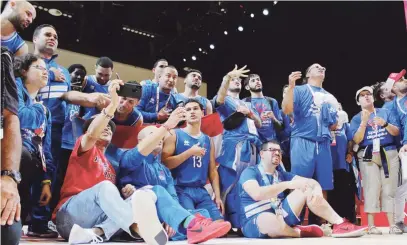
(106, 187)
(268, 223)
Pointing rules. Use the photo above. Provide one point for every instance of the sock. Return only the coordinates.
(339, 221)
(188, 221)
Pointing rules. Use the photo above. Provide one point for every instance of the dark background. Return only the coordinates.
(359, 43)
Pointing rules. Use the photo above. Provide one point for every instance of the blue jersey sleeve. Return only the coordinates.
(149, 117)
(248, 174)
(287, 176)
(131, 160)
(51, 168)
(225, 109)
(298, 94)
(392, 118)
(354, 125)
(348, 132)
(276, 110)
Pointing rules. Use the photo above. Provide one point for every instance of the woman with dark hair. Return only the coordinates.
(36, 159)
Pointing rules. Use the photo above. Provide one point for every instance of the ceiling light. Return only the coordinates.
(223, 10)
(185, 60)
(40, 7)
(252, 15)
(54, 12)
(152, 36)
(225, 32)
(275, 2)
(193, 57)
(45, 9)
(34, 6)
(144, 34)
(265, 12)
(124, 28)
(65, 15)
(212, 46)
(240, 28)
(200, 50)
(69, 16)
(136, 32)
(132, 30)
(147, 35)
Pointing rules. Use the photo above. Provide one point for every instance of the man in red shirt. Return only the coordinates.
(91, 206)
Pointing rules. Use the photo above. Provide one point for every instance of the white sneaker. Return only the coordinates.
(79, 235)
(145, 215)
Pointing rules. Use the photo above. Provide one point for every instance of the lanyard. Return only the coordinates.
(158, 99)
(264, 176)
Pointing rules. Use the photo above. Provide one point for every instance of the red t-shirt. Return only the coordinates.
(84, 171)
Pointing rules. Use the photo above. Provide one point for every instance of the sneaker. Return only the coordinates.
(43, 232)
(347, 229)
(402, 226)
(327, 228)
(202, 229)
(310, 231)
(52, 226)
(79, 235)
(395, 230)
(145, 215)
(374, 231)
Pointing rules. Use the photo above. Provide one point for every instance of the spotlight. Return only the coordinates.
(132, 30)
(124, 28)
(212, 46)
(265, 12)
(200, 50)
(148, 35)
(225, 32)
(45, 9)
(152, 36)
(275, 2)
(136, 32)
(193, 57)
(40, 7)
(240, 28)
(35, 6)
(185, 60)
(252, 15)
(223, 10)
(69, 16)
(54, 12)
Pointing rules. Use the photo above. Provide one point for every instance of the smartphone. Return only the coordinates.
(131, 90)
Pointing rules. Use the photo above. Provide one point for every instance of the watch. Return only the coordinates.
(15, 175)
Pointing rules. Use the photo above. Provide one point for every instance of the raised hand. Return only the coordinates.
(238, 73)
(294, 76)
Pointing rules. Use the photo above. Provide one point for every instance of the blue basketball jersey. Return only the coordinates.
(194, 171)
(182, 98)
(13, 43)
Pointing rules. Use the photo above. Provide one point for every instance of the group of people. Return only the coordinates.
(61, 174)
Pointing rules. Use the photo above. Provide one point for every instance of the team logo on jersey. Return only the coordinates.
(92, 87)
(186, 142)
(152, 101)
(96, 159)
(161, 175)
(372, 124)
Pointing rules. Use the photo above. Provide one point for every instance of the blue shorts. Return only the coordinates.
(251, 230)
(192, 198)
(311, 159)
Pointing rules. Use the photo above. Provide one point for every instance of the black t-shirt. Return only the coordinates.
(9, 95)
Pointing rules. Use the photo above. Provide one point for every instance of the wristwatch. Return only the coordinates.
(15, 175)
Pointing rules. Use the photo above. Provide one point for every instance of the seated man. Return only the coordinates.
(268, 212)
(142, 167)
(190, 155)
(127, 114)
(90, 204)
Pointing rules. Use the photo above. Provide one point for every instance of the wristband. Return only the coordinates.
(106, 115)
(46, 182)
(385, 125)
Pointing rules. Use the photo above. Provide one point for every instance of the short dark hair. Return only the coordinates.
(171, 66)
(270, 141)
(192, 100)
(193, 70)
(89, 121)
(377, 90)
(39, 28)
(247, 79)
(76, 66)
(104, 62)
(22, 63)
(156, 63)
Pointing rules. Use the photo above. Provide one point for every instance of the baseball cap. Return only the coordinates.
(394, 77)
(365, 88)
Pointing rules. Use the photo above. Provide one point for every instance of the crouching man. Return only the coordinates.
(269, 212)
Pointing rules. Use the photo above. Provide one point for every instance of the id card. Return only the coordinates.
(376, 146)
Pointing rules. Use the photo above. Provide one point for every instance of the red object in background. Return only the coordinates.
(405, 11)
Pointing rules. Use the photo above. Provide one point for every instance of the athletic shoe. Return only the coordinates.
(202, 229)
(79, 235)
(347, 229)
(42, 232)
(145, 215)
(310, 231)
(395, 230)
(402, 226)
(374, 231)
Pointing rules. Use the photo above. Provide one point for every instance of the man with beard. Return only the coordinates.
(269, 212)
(266, 107)
(193, 82)
(240, 140)
(190, 155)
(385, 94)
(157, 101)
(16, 17)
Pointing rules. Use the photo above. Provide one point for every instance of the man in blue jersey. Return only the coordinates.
(141, 166)
(266, 107)
(240, 139)
(16, 17)
(157, 101)
(268, 212)
(314, 114)
(374, 130)
(158, 67)
(190, 155)
(193, 82)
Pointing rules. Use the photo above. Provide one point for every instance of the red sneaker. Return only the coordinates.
(347, 229)
(202, 229)
(310, 231)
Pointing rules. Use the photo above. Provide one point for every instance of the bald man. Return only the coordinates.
(141, 167)
(16, 17)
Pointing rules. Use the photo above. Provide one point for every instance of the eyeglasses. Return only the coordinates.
(272, 150)
(39, 67)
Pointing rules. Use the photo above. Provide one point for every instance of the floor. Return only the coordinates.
(366, 240)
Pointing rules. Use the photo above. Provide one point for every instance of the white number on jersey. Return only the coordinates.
(197, 162)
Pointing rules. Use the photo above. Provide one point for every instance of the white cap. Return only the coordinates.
(365, 88)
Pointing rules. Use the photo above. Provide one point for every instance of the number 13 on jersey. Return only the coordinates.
(197, 162)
